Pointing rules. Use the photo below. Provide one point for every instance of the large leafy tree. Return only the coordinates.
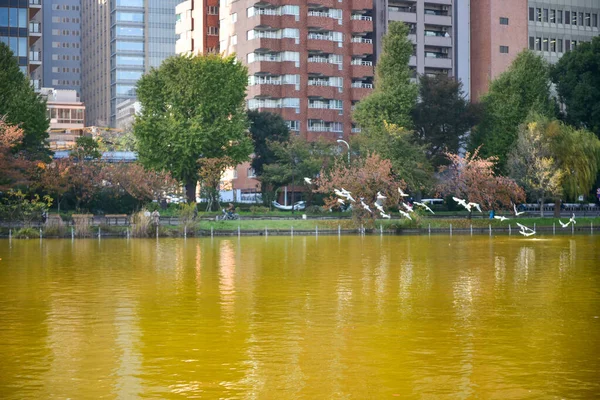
(22, 106)
(533, 164)
(443, 116)
(474, 179)
(192, 108)
(394, 95)
(266, 128)
(15, 169)
(523, 88)
(577, 79)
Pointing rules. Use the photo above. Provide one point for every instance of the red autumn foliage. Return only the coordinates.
(473, 178)
(15, 169)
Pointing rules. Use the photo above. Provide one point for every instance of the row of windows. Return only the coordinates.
(65, 70)
(66, 45)
(552, 44)
(13, 17)
(65, 82)
(66, 7)
(65, 32)
(293, 102)
(18, 45)
(570, 17)
(58, 20)
(65, 57)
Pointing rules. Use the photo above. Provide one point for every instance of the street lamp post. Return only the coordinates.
(347, 145)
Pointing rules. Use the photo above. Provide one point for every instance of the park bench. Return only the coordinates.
(116, 218)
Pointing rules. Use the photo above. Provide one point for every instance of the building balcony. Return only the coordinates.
(443, 63)
(362, 70)
(273, 67)
(359, 93)
(323, 68)
(274, 91)
(443, 20)
(273, 44)
(325, 3)
(35, 58)
(35, 6)
(362, 4)
(364, 46)
(402, 16)
(327, 92)
(328, 23)
(438, 41)
(318, 42)
(275, 21)
(362, 25)
(325, 114)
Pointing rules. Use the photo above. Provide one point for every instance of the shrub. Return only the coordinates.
(81, 224)
(27, 233)
(259, 210)
(54, 231)
(141, 224)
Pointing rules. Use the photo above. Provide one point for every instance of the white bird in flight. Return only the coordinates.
(501, 218)
(402, 194)
(384, 215)
(379, 207)
(365, 206)
(462, 203)
(380, 196)
(339, 193)
(341, 202)
(425, 206)
(517, 213)
(405, 214)
(408, 208)
(527, 233)
(524, 228)
(563, 224)
(308, 180)
(572, 220)
(476, 206)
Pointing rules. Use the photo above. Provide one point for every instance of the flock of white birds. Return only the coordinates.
(345, 196)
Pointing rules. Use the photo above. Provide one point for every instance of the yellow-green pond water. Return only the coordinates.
(301, 318)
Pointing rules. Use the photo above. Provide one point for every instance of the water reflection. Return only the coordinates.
(350, 317)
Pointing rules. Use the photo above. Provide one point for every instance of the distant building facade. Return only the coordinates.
(121, 40)
(66, 114)
(21, 31)
(197, 27)
(501, 29)
(62, 44)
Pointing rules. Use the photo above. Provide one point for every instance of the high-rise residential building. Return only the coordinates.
(440, 45)
(21, 30)
(62, 44)
(310, 62)
(121, 40)
(197, 26)
(501, 29)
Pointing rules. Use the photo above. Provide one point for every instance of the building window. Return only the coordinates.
(581, 19)
(553, 45)
(567, 17)
(213, 10)
(538, 44)
(531, 14)
(538, 12)
(545, 44)
(504, 49)
(531, 43)
(559, 16)
(595, 20)
(234, 18)
(545, 15)
(503, 21)
(574, 18)
(293, 125)
(559, 45)
(251, 173)
(552, 16)
(567, 45)
(213, 31)
(588, 19)
(234, 40)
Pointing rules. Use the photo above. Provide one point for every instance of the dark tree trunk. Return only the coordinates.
(557, 206)
(190, 190)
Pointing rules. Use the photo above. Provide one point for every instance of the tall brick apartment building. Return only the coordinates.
(197, 26)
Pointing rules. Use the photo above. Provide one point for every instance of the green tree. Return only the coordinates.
(400, 147)
(22, 106)
(523, 88)
(266, 128)
(577, 79)
(532, 162)
(192, 108)
(443, 116)
(86, 148)
(394, 95)
(295, 160)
